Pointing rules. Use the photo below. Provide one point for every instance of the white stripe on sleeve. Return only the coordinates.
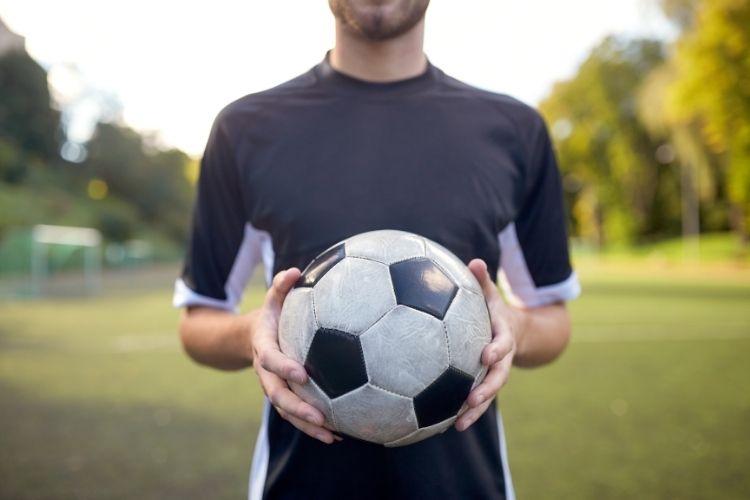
(256, 247)
(516, 281)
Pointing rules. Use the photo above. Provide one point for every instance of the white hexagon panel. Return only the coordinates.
(374, 414)
(405, 351)
(386, 246)
(353, 295)
(468, 325)
(296, 329)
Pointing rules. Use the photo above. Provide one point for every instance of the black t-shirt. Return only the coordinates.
(292, 170)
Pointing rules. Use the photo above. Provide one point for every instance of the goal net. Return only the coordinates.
(84, 239)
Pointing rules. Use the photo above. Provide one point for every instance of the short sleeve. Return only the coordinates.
(223, 248)
(535, 267)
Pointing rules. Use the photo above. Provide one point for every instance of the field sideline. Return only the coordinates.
(649, 401)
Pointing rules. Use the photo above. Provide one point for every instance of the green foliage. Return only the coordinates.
(652, 141)
(607, 157)
(681, 12)
(154, 182)
(23, 206)
(712, 88)
(146, 190)
(700, 170)
(26, 117)
(115, 225)
(12, 162)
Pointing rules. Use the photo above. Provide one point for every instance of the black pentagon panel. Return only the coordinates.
(320, 265)
(335, 362)
(420, 284)
(443, 398)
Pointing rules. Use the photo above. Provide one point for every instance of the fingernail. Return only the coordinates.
(493, 358)
(324, 438)
(480, 398)
(338, 438)
(311, 418)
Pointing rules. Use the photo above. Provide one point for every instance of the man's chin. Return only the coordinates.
(380, 21)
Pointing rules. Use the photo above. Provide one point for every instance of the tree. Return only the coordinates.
(680, 12)
(153, 181)
(712, 88)
(701, 173)
(613, 182)
(27, 121)
(137, 187)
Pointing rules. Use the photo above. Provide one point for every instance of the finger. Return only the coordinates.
(500, 346)
(302, 415)
(471, 415)
(495, 379)
(314, 431)
(281, 285)
(287, 403)
(479, 269)
(274, 361)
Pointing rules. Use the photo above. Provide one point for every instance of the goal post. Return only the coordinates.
(89, 239)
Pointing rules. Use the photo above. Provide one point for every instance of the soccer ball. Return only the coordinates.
(390, 327)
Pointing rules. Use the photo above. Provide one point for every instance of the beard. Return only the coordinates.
(378, 20)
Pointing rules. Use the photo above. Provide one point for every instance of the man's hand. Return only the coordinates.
(274, 368)
(498, 355)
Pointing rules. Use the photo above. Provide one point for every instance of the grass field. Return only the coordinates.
(650, 401)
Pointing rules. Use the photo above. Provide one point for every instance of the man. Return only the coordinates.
(375, 137)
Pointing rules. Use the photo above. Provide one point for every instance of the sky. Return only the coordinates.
(168, 67)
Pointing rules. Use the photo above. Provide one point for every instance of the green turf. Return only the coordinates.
(712, 247)
(649, 401)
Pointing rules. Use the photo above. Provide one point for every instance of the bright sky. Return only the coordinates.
(173, 65)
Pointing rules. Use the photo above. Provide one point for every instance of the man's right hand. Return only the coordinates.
(274, 368)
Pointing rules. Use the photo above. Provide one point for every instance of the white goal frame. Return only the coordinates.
(43, 235)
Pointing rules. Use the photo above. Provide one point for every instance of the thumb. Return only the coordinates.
(479, 269)
(281, 285)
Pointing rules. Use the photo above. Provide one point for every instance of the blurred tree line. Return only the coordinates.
(654, 139)
(123, 186)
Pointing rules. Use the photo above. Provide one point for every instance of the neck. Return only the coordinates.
(382, 61)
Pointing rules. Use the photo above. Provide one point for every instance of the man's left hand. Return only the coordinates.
(497, 356)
